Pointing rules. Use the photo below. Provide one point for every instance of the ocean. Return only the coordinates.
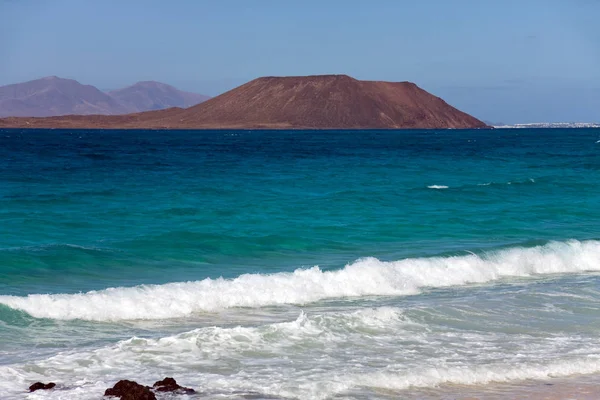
(300, 264)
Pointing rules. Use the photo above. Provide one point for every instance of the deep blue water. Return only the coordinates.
(82, 210)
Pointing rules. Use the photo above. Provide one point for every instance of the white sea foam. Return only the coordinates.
(273, 383)
(316, 356)
(437, 187)
(365, 277)
(477, 375)
(208, 349)
(314, 331)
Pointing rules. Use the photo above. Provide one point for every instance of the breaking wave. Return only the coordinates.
(364, 277)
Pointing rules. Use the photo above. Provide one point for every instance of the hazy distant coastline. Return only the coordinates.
(550, 125)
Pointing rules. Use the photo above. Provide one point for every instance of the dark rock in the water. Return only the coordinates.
(170, 385)
(129, 390)
(41, 386)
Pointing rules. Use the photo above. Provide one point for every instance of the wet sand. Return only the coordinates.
(584, 387)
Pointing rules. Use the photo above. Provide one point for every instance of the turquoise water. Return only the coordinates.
(298, 264)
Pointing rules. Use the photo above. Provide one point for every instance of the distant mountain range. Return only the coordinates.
(315, 102)
(149, 96)
(54, 96)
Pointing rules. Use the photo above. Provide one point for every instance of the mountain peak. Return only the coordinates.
(54, 78)
(151, 95)
(151, 84)
(55, 96)
(51, 96)
(326, 102)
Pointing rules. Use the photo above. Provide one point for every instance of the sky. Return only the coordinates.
(509, 61)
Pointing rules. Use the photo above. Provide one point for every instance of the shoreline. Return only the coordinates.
(580, 387)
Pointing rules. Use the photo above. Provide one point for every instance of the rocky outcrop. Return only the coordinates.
(170, 385)
(129, 390)
(41, 386)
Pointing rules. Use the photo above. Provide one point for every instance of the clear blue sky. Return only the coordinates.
(501, 60)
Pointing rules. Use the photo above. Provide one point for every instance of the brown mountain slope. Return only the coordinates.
(143, 120)
(336, 101)
(322, 102)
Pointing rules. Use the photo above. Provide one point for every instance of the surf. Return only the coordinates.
(364, 277)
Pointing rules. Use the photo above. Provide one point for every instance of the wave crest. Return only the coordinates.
(365, 277)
